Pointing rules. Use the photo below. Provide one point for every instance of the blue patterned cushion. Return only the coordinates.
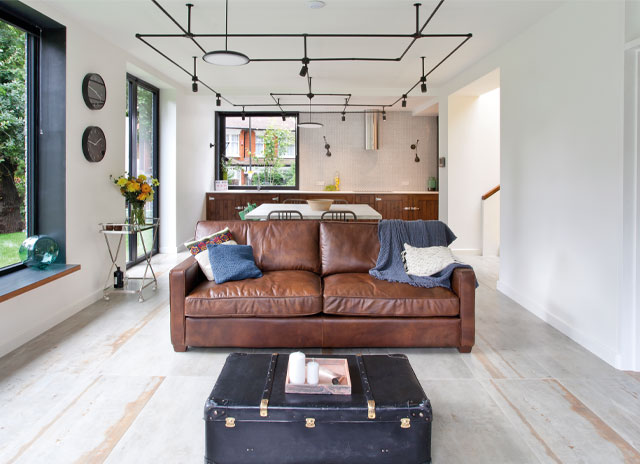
(232, 262)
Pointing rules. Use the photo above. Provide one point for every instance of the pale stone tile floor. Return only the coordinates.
(106, 386)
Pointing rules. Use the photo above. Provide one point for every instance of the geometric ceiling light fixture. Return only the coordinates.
(231, 57)
(226, 57)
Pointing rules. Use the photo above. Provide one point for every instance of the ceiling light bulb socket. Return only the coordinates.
(404, 103)
(343, 118)
(194, 86)
(384, 116)
(304, 70)
(423, 87)
(218, 101)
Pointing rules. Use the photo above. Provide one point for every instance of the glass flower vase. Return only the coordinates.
(137, 215)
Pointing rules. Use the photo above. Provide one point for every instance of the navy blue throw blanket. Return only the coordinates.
(394, 233)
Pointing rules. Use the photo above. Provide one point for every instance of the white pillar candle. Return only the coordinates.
(313, 371)
(297, 368)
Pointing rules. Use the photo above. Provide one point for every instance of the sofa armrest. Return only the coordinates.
(182, 279)
(463, 284)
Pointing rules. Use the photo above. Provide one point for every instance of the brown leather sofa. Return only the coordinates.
(315, 292)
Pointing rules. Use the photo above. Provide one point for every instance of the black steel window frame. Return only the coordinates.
(133, 82)
(45, 124)
(221, 143)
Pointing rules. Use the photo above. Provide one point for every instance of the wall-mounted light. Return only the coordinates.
(414, 146)
(218, 101)
(404, 101)
(326, 146)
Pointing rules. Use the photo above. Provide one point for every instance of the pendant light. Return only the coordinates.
(310, 124)
(423, 79)
(226, 57)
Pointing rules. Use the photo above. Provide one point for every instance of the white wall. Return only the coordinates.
(561, 170)
(91, 198)
(369, 170)
(195, 161)
(474, 164)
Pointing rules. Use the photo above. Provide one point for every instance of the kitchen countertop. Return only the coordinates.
(327, 192)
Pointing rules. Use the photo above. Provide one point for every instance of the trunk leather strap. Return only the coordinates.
(366, 388)
(268, 385)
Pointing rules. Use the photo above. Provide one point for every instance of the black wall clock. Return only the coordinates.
(94, 144)
(94, 91)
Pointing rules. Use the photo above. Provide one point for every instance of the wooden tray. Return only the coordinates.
(337, 365)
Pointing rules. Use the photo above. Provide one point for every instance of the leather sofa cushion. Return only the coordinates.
(237, 228)
(348, 247)
(359, 294)
(275, 294)
(285, 245)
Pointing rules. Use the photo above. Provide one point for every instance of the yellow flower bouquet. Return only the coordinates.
(137, 191)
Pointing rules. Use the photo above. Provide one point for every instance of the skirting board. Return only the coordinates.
(8, 346)
(605, 353)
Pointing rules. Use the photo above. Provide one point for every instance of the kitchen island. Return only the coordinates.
(407, 205)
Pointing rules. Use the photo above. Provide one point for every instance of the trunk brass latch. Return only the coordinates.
(263, 407)
(405, 423)
(371, 409)
(311, 423)
(230, 422)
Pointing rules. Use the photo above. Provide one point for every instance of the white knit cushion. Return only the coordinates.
(205, 263)
(426, 261)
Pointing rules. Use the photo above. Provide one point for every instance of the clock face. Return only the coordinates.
(94, 91)
(94, 144)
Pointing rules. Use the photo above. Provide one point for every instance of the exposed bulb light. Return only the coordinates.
(284, 118)
(384, 116)
(243, 115)
(194, 85)
(423, 79)
(218, 101)
(316, 4)
(404, 101)
(226, 57)
(343, 117)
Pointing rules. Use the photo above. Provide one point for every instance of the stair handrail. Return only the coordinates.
(494, 190)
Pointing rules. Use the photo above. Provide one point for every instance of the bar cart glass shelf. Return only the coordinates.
(114, 234)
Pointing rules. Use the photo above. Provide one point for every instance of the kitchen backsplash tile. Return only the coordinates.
(391, 167)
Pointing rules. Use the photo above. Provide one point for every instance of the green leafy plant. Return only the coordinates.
(13, 102)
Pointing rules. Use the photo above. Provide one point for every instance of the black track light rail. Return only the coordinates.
(418, 34)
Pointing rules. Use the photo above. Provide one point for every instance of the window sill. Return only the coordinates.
(24, 280)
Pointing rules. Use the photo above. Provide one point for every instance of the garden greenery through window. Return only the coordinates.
(16, 197)
(259, 151)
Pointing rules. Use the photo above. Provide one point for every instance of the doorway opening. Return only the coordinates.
(474, 166)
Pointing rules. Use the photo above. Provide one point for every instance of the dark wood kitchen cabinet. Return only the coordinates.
(225, 206)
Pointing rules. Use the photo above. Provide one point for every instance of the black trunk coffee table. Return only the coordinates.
(250, 419)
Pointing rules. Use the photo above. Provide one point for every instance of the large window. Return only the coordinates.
(257, 151)
(17, 154)
(142, 151)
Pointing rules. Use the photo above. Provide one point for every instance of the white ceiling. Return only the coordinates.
(492, 23)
